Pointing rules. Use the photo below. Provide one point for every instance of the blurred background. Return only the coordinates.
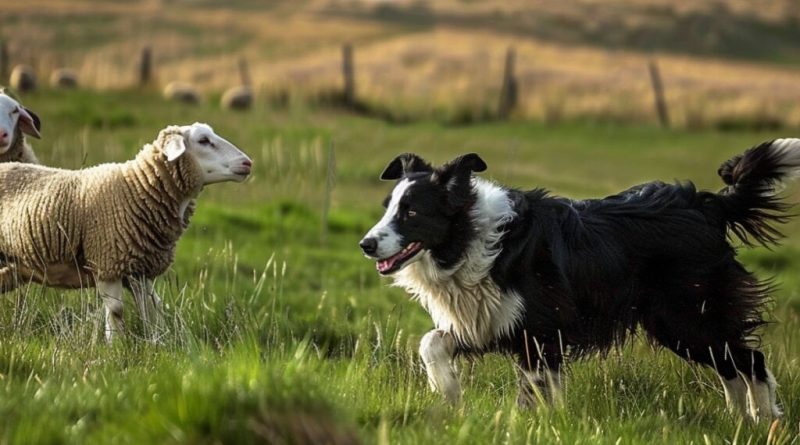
(721, 63)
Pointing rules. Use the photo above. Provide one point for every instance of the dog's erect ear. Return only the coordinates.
(404, 164)
(458, 169)
(470, 161)
(29, 122)
(456, 177)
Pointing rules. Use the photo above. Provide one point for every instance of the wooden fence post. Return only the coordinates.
(658, 93)
(4, 62)
(244, 72)
(348, 74)
(508, 92)
(146, 67)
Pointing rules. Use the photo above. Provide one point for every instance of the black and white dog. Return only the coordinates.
(535, 275)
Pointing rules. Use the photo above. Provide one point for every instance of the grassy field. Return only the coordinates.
(279, 331)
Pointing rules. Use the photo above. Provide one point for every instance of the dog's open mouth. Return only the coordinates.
(396, 261)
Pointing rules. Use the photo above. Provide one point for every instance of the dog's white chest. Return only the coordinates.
(475, 313)
(464, 300)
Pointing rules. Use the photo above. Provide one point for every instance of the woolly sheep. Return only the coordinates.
(112, 225)
(182, 92)
(64, 78)
(23, 78)
(237, 98)
(15, 122)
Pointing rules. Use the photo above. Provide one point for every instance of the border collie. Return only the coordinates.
(537, 276)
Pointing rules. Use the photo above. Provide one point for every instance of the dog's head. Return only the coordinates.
(421, 212)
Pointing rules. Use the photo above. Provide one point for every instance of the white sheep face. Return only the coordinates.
(11, 115)
(218, 159)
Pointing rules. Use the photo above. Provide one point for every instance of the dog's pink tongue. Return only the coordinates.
(386, 264)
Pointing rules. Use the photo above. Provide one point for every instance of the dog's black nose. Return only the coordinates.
(369, 245)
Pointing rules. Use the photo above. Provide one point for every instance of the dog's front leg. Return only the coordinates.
(437, 350)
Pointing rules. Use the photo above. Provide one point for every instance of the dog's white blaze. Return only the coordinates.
(465, 300)
(388, 238)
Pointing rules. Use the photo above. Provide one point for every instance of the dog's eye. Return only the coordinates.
(411, 213)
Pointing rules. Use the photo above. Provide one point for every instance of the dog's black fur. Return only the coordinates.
(590, 272)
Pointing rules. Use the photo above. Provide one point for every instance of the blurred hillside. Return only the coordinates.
(723, 62)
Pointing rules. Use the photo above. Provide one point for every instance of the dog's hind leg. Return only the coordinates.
(760, 383)
(749, 386)
(736, 394)
(539, 376)
(709, 315)
(437, 349)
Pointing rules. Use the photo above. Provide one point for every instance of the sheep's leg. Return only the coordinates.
(8, 278)
(111, 293)
(150, 307)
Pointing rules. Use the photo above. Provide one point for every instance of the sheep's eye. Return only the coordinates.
(15, 111)
(204, 140)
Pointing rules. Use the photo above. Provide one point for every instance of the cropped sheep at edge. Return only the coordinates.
(20, 150)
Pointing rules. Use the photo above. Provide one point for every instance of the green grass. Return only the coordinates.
(276, 336)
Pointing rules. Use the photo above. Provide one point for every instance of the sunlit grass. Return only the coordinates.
(272, 332)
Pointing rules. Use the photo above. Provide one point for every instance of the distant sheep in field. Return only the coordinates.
(182, 92)
(113, 225)
(23, 78)
(64, 78)
(238, 98)
(15, 122)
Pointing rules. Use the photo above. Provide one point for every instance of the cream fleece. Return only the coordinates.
(68, 228)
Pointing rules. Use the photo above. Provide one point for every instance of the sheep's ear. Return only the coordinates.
(404, 164)
(29, 122)
(9, 92)
(174, 147)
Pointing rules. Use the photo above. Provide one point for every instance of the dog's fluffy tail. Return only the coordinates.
(750, 202)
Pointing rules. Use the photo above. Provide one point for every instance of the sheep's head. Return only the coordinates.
(11, 115)
(218, 159)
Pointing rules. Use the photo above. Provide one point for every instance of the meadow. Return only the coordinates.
(280, 332)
